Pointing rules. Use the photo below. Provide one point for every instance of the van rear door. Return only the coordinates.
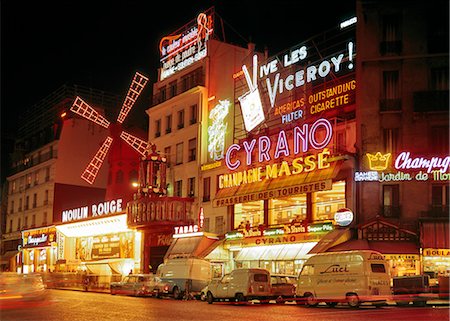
(259, 284)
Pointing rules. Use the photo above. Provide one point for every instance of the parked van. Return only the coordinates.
(241, 285)
(181, 274)
(348, 276)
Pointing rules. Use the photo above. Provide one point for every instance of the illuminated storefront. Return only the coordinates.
(427, 250)
(95, 238)
(281, 249)
(39, 250)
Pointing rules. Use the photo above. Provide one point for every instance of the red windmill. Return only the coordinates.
(81, 108)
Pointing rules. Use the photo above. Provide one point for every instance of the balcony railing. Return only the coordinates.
(436, 211)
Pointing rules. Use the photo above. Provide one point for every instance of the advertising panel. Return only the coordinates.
(107, 246)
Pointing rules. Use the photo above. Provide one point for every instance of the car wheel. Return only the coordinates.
(113, 292)
(310, 300)
(419, 303)
(176, 293)
(352, 300)
(332, 304)
(279, 300)
(240, 298)
(209, 298)
(203, 296)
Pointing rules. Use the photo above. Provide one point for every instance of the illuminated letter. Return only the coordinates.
(328, 134)
(300, 134)
(263, 148)
(273, 90)
(282, 145)
(230, 165)
(249, 149)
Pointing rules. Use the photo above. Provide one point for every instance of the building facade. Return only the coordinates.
(402, 179)
(50, 152)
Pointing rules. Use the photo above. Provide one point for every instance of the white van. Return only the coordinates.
(179, 273)
(241, 285)
(348, 276)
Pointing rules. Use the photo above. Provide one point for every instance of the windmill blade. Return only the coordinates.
(81, 108)
(91, 171)
(136, 87)
(138, 144)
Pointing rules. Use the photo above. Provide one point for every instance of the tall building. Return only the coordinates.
(263, 145)
(402, 178)
(51, 150)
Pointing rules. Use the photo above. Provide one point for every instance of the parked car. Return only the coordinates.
(205, 289)
(241, 285)
(135, 284)
(161, 288)
(183, 274)
(15, 287)
(351, 277)
(413, 288)
(283, 287)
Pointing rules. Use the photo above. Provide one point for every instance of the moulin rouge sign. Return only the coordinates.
(92, 211)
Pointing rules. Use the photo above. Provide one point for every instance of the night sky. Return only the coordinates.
(100, 44)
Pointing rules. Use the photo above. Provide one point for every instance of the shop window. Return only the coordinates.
(390, 99)
(191, 187)
(288, 210)
(180, 119)
(440, 196)
(391, 139)
(157, 128)
(326, 203)
(192, 151)
(219, 225)
(133, 176)
(179, 154)
(391, 201)
(439, 140)
(206, 189)
(391, 37)
(167, 155)
(193, 114)
(168, 124)
(178, 188)
(249, 215)
(206, 224)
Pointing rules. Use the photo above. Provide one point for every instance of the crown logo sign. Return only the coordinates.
(378, 162)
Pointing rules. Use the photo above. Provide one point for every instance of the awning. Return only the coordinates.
(269, 188)
(384, 247)
(196, 246)
(435, 235)
(102, 225)
(280, 252)
(331, 239)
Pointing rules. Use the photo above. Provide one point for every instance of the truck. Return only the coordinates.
(351, 277)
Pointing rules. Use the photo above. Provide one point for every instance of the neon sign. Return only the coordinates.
(434, 168)
(378, 162)
(182, 49)
(304, 138)
(404, 161)
(100, 209)
(218, 129)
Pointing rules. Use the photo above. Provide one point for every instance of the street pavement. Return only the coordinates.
(66, 305)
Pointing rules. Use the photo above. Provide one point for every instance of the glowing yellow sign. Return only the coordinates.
(378, 162)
